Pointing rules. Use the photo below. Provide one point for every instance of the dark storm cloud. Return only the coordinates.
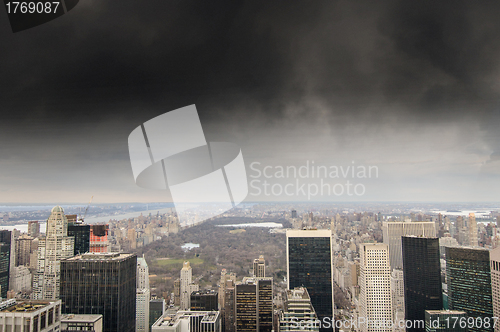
(74, 88)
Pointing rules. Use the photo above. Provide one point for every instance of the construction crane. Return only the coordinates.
(82, 219)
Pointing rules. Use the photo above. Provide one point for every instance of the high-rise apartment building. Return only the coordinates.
(224, 278)
(469, 283)
(5, 261)
(394, 230)
(101, 283)
(81, 233)
(422, 278)
(472, 230)
(375, 299)
(23, 250)
(142, 296)
(259, 267)
(254, 305)
(309, 264)
(186, 286)
(398, 295)
(54, 247)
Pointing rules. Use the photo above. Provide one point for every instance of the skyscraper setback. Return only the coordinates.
(422, 278)
(394, 230)
(309, 265)
(52, 248)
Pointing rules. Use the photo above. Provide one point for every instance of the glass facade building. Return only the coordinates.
(101, 283)
(81, 232)
(422, 277)
(5, 242)
(469, 282)
(309, 265)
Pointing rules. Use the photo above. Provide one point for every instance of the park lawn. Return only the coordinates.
(193, 261)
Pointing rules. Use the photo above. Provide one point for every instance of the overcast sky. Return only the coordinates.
(410, 87)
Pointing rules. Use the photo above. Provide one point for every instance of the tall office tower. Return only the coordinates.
(469, 283)
(445, 321)
(228, 309)
(52, 248)
(33, 228)
(472, 230)
(224, 278)
(375, 287)
(187, 286)
(206, 300)
(99, 238)
(132, 237)
(398, 295)
(422, 278)
(101, 283)
(156, 310)
(81, 233)
(259, 267)
(254, 305)
(5, 251)
(309, 264)
(142, 273)
(297, 308)
(142, 296)
(394, 230)
(23, 250)
(177, 292)
(294, 214)
(495, 283)
(459, 223)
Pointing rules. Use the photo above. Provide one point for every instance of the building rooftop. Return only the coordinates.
(14, 305)
(80, 318)
(174, 319)
(100, 256)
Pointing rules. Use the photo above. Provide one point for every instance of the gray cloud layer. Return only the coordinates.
(411, 87)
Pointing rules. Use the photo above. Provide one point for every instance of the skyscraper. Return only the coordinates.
(495, 283)
(394, 230)
(99, 238)
(81, 233)
(445, 321)
(309, 264)
(469, 283)
(52, 248)
(259, 267)
(33, 228)
(143, 296)
(472, 230)
(23, 250)
(5, 251)
(297, 308)
(101, 283)
(422, 278)
(254, 305)
(206, 300)
(375, 298)
(186, 286)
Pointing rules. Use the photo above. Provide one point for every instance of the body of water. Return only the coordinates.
(257, 224)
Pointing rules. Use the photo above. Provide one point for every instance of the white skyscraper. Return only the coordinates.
(398, 296)
(394, 230)
(495, 283)
(187, 286)
(142, 296)
(54, 247)
(375, 298)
